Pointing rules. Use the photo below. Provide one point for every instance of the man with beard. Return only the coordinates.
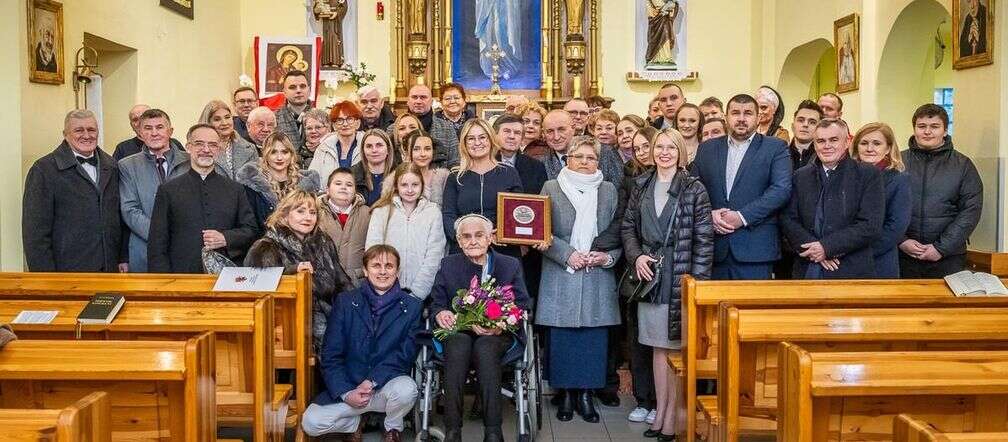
(200, 209)
(135, 144)
(748, 178)
(376, 114)
(70, 212)
(419, 103)
(670, 97)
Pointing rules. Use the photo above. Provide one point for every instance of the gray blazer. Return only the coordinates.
(242, 153)
(138, 183)
(585, 298)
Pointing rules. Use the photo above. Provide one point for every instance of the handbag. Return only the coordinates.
(631, 286)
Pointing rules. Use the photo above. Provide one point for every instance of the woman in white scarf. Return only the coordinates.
(577, 292)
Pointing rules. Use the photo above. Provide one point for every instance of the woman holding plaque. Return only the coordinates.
(667, 221)
(474, 185)
(577, 292)
(403, 218)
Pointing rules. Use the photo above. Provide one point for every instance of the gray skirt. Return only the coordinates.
(652, 326)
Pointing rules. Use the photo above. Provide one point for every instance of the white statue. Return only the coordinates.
(498, 22)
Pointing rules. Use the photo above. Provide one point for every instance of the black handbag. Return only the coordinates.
(631, 287)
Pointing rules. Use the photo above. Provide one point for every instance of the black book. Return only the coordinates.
(102, 308)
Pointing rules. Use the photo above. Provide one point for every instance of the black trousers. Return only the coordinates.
(912, 268)
(486, 352)
(640, 362)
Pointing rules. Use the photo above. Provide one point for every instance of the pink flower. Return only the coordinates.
(469, 299)
(474, 283)
(493, 310)
(515, 312)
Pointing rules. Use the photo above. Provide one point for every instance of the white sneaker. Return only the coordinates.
(651, 416)
(638, 414)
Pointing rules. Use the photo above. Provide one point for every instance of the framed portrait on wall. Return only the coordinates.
(847, 41)
(184, 7)
(45, 42)
(972, 33)
(275, 56)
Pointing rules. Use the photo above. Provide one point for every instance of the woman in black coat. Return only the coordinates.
(294, 242)
(667, 200)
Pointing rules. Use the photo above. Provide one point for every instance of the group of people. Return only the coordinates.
(390, 213)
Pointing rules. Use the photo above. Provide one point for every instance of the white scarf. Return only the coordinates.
(582, 191)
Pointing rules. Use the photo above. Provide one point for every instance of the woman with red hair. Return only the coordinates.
(342, 148)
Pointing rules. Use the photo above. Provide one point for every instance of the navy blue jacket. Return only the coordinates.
(351, 353)
(762, 188)
(531, 172)
(853, 210)
(476, 194)
(897, 219)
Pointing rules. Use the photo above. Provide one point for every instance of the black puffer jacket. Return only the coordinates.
(282, 248)
(946, 194)
(690, 246)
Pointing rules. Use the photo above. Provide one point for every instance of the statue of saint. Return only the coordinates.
(661, 38)
(331, 13)
(418, 17)
(498, 22)
(575, 16)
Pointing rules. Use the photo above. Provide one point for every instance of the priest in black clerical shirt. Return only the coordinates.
(70, 218)
(199, 209)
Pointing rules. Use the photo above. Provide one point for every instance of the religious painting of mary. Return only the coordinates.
(276, 56)
(502, 32)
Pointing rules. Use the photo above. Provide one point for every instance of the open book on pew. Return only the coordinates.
(967, 283)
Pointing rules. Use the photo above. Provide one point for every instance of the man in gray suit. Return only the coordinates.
(419, 103)
(140, 176)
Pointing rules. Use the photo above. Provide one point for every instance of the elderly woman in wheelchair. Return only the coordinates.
(487, 347)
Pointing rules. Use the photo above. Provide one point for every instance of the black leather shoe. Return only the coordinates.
(652, 433)
(608, 398)
(453, 435)
(666, 438)
(558, 397)
(493, 434)
(565, 410)
(585, 406)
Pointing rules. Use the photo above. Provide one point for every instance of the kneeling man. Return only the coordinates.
(368, 350)
(836, 210)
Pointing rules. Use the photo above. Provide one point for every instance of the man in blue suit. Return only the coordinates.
(368, 350)
(748, 178)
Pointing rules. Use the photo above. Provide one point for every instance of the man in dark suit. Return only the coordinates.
(369, 349)
(836, 210)
(670, 97)
(806, 118)
(748, 178)
(510, 129)
(199, 209)
(136, 144)
(70, 212)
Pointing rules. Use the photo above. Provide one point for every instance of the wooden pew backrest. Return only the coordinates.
(88, 419)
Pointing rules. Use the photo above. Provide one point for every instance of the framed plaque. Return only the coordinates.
(523, 218)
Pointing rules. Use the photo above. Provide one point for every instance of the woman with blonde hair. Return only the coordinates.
(875, 144)
(667, 223)
(403, 125)
(294, 242)
(376, 164)
(403, 218)
(532, 115)
(268, 180)
(474, 185)
(235, 151)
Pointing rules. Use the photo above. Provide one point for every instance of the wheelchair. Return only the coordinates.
(525, 389)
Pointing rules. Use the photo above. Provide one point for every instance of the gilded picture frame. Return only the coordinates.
(847, 41)
(45, 42)
(972, 33)
(183, 7)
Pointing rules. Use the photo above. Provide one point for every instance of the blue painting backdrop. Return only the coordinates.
(514, 25)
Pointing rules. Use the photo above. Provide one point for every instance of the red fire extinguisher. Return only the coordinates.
(380, 10)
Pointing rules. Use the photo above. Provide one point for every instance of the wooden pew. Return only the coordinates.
(747, 360)
(700, 301)
(87, 420)
(159, 390)
(292, 316)
(988, 262)
(908, 429)
(244, 335)
(856, 395)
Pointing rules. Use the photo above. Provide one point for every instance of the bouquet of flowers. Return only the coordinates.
(485, 305)
(359, 75)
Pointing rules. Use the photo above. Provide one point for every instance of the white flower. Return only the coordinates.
(245, 80)
(511, 320)
(469, 299)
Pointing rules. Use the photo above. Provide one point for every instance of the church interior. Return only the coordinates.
(787, 356)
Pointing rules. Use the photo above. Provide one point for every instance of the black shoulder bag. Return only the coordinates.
(632, 287)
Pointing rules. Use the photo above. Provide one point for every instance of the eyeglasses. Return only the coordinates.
(584, 157)
(346, 120)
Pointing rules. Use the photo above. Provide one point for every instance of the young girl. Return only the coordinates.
(404, 219)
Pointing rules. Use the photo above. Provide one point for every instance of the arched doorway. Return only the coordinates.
(809, 70)
(913, 64)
